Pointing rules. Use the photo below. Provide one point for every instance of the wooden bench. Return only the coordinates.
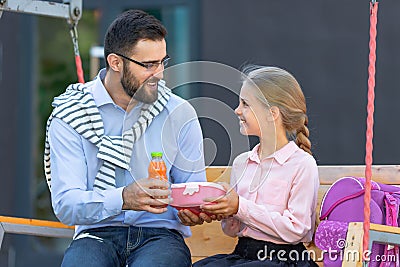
(208, 239)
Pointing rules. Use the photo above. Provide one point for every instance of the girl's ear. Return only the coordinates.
(115, 62)
(275, 112)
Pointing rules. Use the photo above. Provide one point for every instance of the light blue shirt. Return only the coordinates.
(175, 131)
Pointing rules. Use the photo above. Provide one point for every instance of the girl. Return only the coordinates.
(271, 202)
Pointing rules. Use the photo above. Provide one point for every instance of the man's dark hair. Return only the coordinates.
(130, 27)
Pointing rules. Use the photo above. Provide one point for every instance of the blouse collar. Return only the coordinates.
(281, 155)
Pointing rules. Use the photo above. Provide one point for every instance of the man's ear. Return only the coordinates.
(115, 62)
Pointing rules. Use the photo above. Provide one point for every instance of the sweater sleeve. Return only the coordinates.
(72, 202)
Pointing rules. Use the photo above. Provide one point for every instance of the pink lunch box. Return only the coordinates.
(191, 195)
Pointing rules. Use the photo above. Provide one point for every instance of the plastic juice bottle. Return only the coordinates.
(157, 167)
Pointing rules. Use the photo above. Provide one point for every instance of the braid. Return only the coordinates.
(302, 135)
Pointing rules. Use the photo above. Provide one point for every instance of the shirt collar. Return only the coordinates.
(100, 95)
(281, 156)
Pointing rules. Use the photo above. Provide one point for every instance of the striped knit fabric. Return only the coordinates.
(77, 108)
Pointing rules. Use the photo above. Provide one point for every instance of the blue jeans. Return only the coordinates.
(127, 246)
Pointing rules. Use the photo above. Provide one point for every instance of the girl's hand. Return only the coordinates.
(224, 206)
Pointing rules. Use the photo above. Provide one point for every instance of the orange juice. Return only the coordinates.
(157, 168)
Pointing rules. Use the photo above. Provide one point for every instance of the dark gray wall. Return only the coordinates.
(17, 113)
(17, 130)
(8, 110)
(18, 138)
(325, 45)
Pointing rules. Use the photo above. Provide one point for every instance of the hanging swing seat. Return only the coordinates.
(14, 225)
(378, 233)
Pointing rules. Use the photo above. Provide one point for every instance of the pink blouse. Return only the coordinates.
(277, 196)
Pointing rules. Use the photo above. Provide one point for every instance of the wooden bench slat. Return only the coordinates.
(388, 174)
(384, 228)
(208, 239)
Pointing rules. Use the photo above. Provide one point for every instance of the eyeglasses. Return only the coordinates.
(150, 65)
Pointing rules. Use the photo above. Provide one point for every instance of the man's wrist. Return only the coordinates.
(124, 206)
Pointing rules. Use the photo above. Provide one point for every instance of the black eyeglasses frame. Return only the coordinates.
(150, 65)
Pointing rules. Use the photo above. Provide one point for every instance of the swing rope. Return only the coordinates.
(78, 62)
(370, 123)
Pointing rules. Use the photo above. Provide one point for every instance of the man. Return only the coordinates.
(98, 144)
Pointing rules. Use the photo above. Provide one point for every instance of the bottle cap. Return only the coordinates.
(156, 154)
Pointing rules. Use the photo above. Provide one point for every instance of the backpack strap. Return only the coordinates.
(392, 209)
(392, 214)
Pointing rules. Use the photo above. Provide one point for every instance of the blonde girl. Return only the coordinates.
(273, 192)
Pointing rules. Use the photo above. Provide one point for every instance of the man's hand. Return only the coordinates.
(150, 195)
(188, 218)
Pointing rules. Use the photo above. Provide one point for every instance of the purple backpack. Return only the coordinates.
(344, 203)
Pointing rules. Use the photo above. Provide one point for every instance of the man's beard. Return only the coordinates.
(133, 88)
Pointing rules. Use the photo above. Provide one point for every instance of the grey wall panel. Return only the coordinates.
(325, 45)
